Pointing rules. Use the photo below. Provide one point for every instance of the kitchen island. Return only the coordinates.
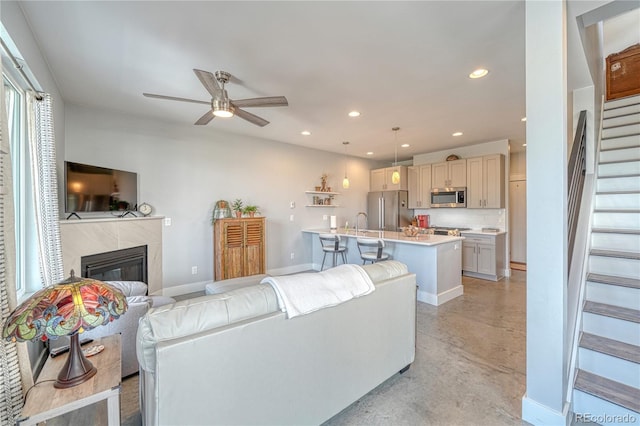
(435, 259)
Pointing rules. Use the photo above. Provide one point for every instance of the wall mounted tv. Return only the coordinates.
(99, 189)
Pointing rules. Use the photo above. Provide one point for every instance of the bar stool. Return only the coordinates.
(331, 244)
(364, 247)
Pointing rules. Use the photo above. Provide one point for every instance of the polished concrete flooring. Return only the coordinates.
(469, 367)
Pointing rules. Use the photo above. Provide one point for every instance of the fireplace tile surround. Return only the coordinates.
(92, 236)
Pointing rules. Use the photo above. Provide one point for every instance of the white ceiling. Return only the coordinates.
(399, 63)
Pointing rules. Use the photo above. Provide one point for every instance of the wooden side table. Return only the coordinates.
(46, 402)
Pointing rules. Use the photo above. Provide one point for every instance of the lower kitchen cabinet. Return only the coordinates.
(483, 256)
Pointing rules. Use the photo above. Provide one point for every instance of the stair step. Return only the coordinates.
(627, 200)
(610, 347)
(620, 168)
(616, 231)
(621, 120)
(620, 111)
(627, 153)
(617, 241)
(623, 130)
(617, 393)
(613, 280)
(618, 183)
(616, 295)
(621, 103)
(616, 219)
(615, 253)
(619, 142)
(626, 314)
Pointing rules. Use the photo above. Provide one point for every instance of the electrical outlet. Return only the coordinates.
(167, 221)
(292, 205)
(293, 255)
(194, 270)
(291, 218)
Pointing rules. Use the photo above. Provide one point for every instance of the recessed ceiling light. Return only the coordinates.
(354, 114)
(405, 145)
(523, 119)
(305, 133)
(479, 73)
(457, 134)
(370, 153)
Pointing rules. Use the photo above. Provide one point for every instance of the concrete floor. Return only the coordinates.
(469, 367)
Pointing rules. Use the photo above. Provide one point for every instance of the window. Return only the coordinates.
(15, 103)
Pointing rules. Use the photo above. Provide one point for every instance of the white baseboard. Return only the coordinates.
(538, 414)
(439, 299)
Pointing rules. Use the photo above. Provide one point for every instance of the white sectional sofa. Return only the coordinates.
(235, 359)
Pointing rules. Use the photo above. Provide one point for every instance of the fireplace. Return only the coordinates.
(128, 264)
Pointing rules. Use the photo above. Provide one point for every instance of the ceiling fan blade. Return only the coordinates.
(173, 98)
(206, 118)
(251, 117)
(268, 101)
(210, 83)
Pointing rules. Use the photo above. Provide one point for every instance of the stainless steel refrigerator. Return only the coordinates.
(388, 210)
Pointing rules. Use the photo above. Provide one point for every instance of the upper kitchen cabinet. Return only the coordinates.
(449, 174)
(419, 178)
(382, 179)
(485, 184)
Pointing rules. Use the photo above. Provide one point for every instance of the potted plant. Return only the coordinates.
(237, 207)
(250, 210)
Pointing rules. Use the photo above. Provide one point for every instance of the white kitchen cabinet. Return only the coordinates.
(449, 174)
(485, 182)
(419, 181)
(483, 255)
(381, 179)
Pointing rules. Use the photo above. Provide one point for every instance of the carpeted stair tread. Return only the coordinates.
(616, 230)
(616, 253)
(626, 314)
(612, 391)
(613, 280)
(611, 347)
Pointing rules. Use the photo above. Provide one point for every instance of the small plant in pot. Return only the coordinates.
(237, 207)
(250, 210)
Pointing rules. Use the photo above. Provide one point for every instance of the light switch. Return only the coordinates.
(291, 218)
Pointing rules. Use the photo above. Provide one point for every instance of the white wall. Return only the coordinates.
(184, 169)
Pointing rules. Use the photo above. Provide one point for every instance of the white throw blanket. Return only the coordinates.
(304, 293)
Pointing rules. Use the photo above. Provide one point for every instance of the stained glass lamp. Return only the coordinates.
(66, 309)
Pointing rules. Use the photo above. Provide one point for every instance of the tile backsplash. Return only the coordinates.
(466, 218)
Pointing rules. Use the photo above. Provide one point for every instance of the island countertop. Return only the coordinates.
(390, 236)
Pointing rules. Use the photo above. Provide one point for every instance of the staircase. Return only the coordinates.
(607, 380)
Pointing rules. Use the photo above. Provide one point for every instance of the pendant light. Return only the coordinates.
(345, 181)
(395, 177)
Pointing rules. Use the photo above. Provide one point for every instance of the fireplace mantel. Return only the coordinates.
(92, 236)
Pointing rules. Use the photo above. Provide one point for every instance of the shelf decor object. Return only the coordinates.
(66, 309)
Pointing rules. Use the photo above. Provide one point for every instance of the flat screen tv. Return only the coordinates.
(99, 189)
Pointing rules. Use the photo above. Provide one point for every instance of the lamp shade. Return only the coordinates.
(66, 309)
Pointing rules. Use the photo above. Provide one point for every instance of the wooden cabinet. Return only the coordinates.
(239, 247)
(483, 256)
(449, 174)
(381, 179)
(419, 184)
(485, 183)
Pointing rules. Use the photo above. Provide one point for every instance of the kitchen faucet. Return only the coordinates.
(366, 224)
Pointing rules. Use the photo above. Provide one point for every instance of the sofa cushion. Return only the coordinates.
(193, 316)
(130, 288)
(385, 270)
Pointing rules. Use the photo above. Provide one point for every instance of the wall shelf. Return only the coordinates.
(322, 194)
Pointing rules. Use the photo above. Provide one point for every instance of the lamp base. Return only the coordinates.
(77, 369)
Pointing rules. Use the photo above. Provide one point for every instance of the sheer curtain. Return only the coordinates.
(43, 172)
(15, 369)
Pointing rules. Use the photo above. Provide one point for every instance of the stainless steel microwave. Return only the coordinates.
(449, 197)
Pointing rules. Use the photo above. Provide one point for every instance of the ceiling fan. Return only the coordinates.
(221, 105)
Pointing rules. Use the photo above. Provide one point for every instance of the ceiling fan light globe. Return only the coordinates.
(222, 108)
